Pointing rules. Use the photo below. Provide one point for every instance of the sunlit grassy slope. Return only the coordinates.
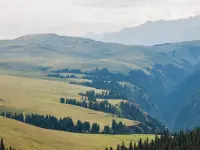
(19, 94)
(26, 137)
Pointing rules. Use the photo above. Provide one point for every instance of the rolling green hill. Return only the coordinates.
(50, 50)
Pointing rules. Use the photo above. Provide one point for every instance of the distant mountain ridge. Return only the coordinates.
(153, 33)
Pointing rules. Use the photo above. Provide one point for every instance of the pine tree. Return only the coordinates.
(140, 143)
(2, 146)
(131, 146)
(118, 147)
(123, 146)
(135, 146)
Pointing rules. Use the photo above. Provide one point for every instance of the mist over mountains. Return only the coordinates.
(154, 32)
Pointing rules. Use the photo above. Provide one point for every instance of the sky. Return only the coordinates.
(78, 17)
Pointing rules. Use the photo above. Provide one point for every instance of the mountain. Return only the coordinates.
(154, 72)
(152, 33)
(56, 51)
(61, 51)
(184, 103)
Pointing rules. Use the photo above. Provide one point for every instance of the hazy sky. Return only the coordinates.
(77, 17)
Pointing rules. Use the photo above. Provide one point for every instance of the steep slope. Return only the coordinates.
(187, 51)
(188, 117)
(184, 104)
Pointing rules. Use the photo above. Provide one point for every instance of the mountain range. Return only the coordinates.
(154, 32)
(166, 74)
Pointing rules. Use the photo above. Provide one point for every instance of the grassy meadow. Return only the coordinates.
(26, 137)
(19, 94)
(32, 92)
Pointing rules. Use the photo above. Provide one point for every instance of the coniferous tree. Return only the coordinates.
(2, 146)
(166, 141)
(123, 146)
(118, 147)
(95, 128)
(131, 146)
(79, 126)
(62, 100)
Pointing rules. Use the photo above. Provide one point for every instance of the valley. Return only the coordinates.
(138, 86)
(99, 75)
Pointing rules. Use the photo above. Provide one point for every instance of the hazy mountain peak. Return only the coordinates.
(156, 32)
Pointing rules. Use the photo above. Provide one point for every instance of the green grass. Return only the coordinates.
(27, 137)
(34, 93)
(28, 95)
(68, 52)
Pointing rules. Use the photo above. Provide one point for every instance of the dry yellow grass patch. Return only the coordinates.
(42, 96)
(26, 137)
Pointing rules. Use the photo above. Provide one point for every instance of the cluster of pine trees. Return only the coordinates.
(136, 77)
(2, 146)
(181, 141)
(132, 111)
(51, 122)
(103, 106)
(57, 75)
(68, 71)
(67, 124)
(125, 109)
(110, 85)
(104, 95)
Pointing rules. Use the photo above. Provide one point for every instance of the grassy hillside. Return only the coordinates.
(68, 52)
(34, 55)
(28, 95)
(27, 137)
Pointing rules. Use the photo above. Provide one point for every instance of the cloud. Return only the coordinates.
(77, 17)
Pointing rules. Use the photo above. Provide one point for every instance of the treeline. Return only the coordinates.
(120, 128)
(124, 109)
(3, 147)
(180, 141)
(68, 71)
(103, 95)
(137, 77)
(67, 124)
(57, 75)
(111, 85)
(51, 122)
(132, 111)
(103, 106)
(106, 80)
